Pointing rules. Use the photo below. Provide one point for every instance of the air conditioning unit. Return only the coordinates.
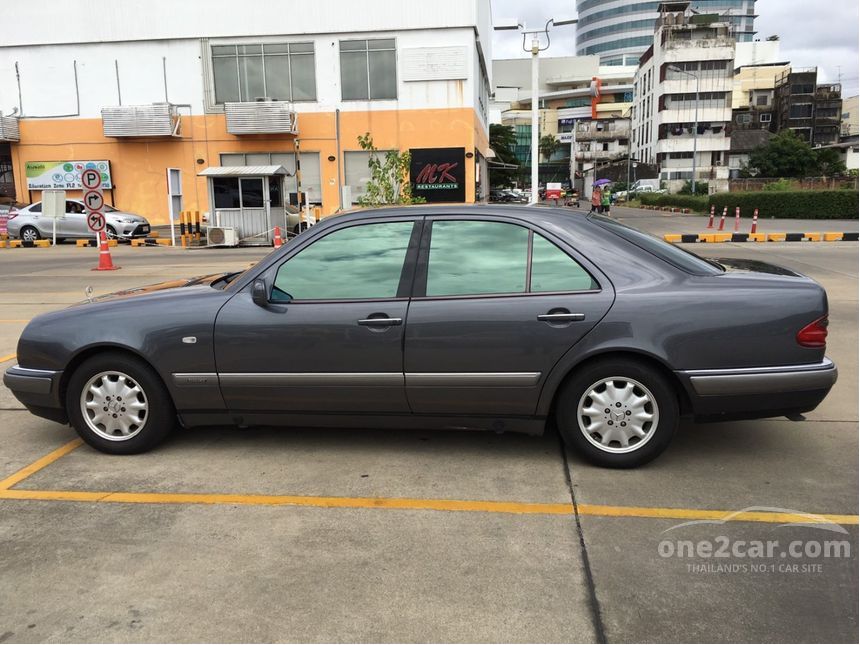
(222, 236)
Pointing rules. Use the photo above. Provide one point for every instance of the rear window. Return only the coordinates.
(674, 255)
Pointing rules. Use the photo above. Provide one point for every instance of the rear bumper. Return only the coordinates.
(37, 390)
(758, 392)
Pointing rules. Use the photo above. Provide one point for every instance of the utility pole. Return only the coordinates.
(534, 49)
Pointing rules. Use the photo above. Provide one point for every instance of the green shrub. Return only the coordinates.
(778, 186)
(697, 203)
(795, 204)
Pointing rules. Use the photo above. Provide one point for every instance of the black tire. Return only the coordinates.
(160, 415)
(657, 437)
(301, 226)
(29, 232)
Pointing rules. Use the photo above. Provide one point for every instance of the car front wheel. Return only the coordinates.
(617, 413)
(119, 405)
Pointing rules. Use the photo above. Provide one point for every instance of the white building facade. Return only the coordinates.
(683, 108)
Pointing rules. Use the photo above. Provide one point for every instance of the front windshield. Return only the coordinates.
(674, 255)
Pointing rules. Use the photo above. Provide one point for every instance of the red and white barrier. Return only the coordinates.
(755, 221)
(711, 218)
(723, 218)
(737, 219)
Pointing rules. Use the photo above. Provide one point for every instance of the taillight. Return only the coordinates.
(814, 334)
(13, 213)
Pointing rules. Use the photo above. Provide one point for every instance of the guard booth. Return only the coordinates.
(249, 199)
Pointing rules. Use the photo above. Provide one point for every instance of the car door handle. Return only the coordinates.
(380, 322)
(560, 317)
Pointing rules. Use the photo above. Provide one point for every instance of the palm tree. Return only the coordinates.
(547, 145)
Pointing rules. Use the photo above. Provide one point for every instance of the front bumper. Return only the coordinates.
(37, 390)
(759, 391)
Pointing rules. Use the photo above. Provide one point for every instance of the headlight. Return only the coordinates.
(127, 220)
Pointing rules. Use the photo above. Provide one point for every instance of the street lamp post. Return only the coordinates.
(535, 49)
(674, 68)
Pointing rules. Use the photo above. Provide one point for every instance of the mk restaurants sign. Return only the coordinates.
(438, 174)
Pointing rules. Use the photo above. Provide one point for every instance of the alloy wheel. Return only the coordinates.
(114, 406)
(618, 414)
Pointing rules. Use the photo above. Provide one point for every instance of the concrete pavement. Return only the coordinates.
(147, 570)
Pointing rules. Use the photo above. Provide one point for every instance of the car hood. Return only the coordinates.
(119, 215)
(740, 265)
(136, 292)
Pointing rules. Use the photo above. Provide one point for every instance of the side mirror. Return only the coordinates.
(260, 293)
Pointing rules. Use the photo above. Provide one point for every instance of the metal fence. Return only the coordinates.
(806, 183)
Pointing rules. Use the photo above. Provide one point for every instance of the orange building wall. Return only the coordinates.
(138, 166)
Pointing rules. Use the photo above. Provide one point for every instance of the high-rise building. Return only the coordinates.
(683, 98)
(620, 31)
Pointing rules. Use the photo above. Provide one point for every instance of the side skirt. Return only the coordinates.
(525, 425)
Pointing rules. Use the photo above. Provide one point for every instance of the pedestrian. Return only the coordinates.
(596, 197)
(605, 201)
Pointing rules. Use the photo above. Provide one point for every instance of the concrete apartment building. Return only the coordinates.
(566, 102)
(620, 31)
(141, 88)
(685, 47)
(812, 110)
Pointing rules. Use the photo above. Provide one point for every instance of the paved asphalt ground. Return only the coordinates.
(327, 535)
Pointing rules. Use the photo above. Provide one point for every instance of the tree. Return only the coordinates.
(389, 178)
(502, 142)
(547, 145)
(785, 155)
(829, 162)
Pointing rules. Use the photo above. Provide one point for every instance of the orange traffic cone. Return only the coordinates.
(105, 263)
(278, 241)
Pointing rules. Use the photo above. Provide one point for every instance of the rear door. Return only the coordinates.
(496, 304)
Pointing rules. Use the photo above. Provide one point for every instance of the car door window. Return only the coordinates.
(474, 257)
(553, 270)
(359, 262)
(74, 208)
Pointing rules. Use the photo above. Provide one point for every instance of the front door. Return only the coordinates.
(496, 305)
(331, 339)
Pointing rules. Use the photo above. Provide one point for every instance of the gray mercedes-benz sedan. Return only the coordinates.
(496, 317)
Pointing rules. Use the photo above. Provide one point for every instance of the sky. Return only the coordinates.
(809, 37)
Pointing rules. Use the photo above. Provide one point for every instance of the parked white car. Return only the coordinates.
(28, 224)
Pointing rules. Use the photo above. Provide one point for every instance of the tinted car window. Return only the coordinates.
(468, 258)
(353, 263)
(664, 250)
(555, 270)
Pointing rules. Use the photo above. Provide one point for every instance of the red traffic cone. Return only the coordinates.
(278, 240)
(711, 218)
(723, 218)
(755, 221)
(737, 219)
(105, 263)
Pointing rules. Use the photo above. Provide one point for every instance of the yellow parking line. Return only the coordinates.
(8, 357)
(293, 500)
(475, 506)
(37, 465)
(700, 514)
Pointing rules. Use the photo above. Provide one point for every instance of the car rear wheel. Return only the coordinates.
(617, 413)
(119, 405)
(30, 234)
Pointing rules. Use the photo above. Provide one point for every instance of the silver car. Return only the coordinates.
(27, 223)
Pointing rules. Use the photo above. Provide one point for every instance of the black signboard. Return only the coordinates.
(438, 174)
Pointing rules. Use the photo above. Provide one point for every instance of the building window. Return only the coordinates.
(762, 100)
(800, 111)
(283, 71)
(742, 119)
(765, 118)
(368, 69)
